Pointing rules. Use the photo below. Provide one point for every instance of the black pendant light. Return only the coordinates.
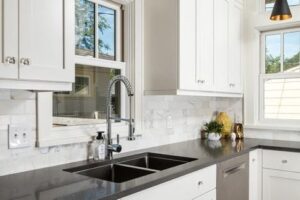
(281, 11)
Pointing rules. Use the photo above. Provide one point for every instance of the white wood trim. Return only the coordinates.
(192, 93)
(100, 62)
(35, 85)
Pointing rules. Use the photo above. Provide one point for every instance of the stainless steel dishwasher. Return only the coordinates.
(233, 179)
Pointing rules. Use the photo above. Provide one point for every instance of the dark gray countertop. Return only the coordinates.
(54, 183)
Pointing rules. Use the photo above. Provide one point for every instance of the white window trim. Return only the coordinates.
(47, 135)
(263, 77)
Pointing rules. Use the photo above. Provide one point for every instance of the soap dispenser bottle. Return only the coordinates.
(100, 149)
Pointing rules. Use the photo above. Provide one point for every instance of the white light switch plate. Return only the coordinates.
(19, 136)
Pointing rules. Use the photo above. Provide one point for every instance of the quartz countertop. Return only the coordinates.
(54, 183)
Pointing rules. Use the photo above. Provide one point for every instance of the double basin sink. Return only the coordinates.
(131, 167)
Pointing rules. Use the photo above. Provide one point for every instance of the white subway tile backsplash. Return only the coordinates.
(187, 115)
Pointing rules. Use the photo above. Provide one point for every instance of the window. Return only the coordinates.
(98, 52)
(96, 29)
(270, 3)
(280, 75)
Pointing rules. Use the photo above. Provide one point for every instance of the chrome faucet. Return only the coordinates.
(110, 147)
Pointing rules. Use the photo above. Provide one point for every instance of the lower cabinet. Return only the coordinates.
(281, 175)
(198, 185)
(280, 185)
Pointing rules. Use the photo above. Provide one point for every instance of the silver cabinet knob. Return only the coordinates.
(231, 85)
(25, 61)
(201, 81)
(10, 60)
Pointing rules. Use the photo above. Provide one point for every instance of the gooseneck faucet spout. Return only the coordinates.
(110, 147)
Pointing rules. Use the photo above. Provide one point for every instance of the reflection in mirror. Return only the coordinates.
(86, 103)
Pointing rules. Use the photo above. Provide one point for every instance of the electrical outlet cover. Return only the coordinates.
(19, 136)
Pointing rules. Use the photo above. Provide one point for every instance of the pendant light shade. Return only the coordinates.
(281, 11)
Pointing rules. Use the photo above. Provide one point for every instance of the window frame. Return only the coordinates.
(281, 75)
(132, 67)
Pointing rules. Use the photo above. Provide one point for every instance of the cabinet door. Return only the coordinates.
(187, 187)
(46, 33)
(255, 172)
(221, 53)
(279, 185)
(9, 39)
(208, 196)
(235, 41)
(205, 44)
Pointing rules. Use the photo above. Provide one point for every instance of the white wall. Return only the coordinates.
(188, 114)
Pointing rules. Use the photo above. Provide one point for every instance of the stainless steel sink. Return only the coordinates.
(131, 167)
(116, 173)
(158, 161)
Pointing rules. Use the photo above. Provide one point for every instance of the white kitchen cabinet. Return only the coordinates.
(187, 187)
(205, 45)
(9, 39)
(208, 196)
(255, 175)
(279, 185)
(187, 47)
(235, 68)
(281, 175)
(39, 36)
(221, 35)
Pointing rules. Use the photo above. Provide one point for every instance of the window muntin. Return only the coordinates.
(86, 103)
(269, 4)
(280, 75)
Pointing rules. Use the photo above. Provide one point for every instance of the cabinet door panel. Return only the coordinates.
(279, 185)
(255, 171)
(205, 44)
(45, 40)
(9, 39)
(235, 41)
(221, 44)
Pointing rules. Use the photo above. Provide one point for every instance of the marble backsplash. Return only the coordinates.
(167, 119)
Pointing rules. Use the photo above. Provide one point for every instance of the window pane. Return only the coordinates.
(107, 33)
(291, 52)
(282, 98)
(270, 3)
(86, 104)
(85, 28)
(272, 54)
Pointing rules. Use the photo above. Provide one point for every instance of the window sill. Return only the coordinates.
(78, 134)
(272, 127)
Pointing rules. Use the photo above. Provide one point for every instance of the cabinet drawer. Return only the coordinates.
(183, 188)
(281, 160)
(208, 196)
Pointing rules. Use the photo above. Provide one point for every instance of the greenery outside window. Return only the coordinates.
(280, 76)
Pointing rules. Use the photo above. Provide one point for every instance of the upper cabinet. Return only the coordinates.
(37, 46)
(193, 47)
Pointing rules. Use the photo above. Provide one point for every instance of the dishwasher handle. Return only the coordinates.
(234, 170)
